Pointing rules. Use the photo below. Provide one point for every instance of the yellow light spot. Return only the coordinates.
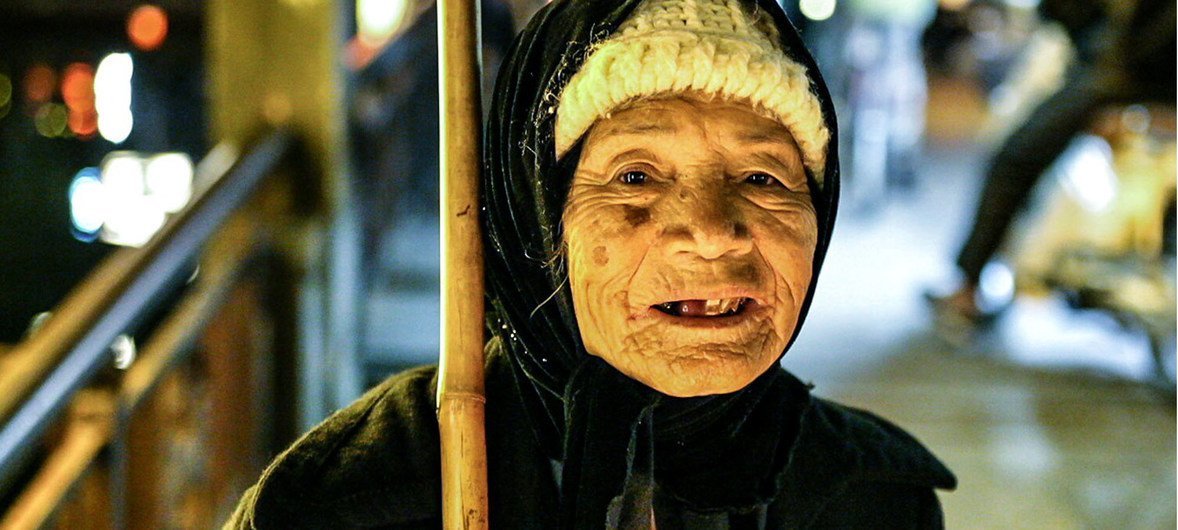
(50, 120)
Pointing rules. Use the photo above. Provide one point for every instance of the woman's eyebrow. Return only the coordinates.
(776, 142)
(637, 152)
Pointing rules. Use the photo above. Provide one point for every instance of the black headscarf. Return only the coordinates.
(619, 441)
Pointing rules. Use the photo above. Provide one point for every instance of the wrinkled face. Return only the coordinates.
(691, 234)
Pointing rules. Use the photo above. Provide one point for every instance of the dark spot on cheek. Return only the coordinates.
(747, 273)
(637, 216)
(740, 230)
(600, 256)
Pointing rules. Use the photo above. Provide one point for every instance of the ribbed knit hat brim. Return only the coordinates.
(710, 47)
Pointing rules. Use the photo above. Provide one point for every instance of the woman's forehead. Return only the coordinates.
(733, 122)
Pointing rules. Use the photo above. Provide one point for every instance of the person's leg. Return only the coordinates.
(1018, 165)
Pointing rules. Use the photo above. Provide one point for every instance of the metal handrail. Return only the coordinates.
(87, 434)
(41, 374)
(81, 443)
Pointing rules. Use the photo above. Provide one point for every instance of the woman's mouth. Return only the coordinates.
(720, 307)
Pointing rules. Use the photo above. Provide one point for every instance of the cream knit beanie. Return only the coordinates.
(705, 46)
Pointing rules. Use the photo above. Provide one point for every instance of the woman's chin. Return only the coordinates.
(703, 373)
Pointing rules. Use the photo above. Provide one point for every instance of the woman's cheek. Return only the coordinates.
(790, 217)
(603, 255)
(604, 244)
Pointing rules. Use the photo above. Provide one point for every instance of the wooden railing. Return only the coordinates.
(83, 443)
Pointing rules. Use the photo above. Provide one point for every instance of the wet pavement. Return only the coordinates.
(1045, 418)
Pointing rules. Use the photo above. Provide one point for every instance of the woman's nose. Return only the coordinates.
(706, 222)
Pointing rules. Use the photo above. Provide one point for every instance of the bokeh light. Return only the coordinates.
(817, 10)
(132, 221)
(77, 89)
(115, 126)
(377, 20)
(168, 178)
(88, 202)
(84, 124)
(122, 174)
(1089, 176)
(39, 82)
(51, 120)
(112, 97)
(995, 286)
(77, 86)
(123, 351)
(147, 27)
(132, 218)
(128, 198)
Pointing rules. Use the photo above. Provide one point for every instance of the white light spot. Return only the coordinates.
(817, 10)
(169, 181)
(132, 222)
(123, 351)
(1089, 175)
(132, 218)
(115, 126)
(122, 173)
(377, 20)
(996, 286)
(112, 96)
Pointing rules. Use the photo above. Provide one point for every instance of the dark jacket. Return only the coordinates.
(375, 464)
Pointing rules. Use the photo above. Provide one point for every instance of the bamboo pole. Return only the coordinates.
(460, 385)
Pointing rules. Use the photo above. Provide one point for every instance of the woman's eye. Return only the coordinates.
(633, 177)
(760, 179)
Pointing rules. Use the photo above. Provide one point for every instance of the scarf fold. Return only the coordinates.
(723, 458)
(609, 478)
(717, 460)
(714, 455)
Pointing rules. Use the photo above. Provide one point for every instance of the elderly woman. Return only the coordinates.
(660, 187)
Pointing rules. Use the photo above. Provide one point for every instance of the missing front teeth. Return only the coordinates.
(703, 308)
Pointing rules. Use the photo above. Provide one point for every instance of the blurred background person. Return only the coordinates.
(1124, 53)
